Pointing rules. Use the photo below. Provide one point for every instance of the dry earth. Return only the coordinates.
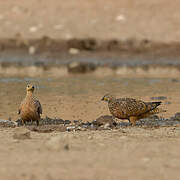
(128, 153)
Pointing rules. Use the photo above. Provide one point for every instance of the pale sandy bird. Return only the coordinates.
(131, 109)
(30, 108)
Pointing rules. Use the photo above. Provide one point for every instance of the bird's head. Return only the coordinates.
(107, 97)
(30, 88)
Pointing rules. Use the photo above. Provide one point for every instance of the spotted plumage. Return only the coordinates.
(30, 108)
(129, 108)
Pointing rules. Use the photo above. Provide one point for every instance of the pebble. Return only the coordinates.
(21, 133)
(7, 123)
(107, 126)
(32, 50)
(90, 137)
(33, 29)
(73, 51)
(121, 17)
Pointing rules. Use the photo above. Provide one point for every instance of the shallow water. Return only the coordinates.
(78, 97)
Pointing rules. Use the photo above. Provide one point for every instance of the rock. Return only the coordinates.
(73, 51)
(70, 128)
(90, 137)
(107, 126)
(177, 115)
(32, 50)
(67, 122)
(102, 120)
(121, 17)
(21, 133)
(79, 67)
(7, 123)
(33, 29)
(159, 98)
(44, 121)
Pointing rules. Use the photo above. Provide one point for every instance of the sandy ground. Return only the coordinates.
(128, 153)
(131, 153)
(141, 19)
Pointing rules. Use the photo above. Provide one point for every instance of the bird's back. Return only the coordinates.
(125, 107)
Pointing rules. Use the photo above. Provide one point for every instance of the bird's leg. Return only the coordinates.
(23, 122)
(37, 122)
(133, 120)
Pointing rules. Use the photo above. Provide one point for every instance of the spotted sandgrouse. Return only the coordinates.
(129, 108)
(30, 108)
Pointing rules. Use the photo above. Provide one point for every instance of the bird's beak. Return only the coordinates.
(102, 99)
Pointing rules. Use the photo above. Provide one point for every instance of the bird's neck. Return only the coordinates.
(29, 94)
(112, 100)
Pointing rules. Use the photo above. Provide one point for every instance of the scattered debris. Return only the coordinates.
(7, 123)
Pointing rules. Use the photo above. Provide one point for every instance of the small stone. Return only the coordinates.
(7, 123)
(177, 115)
(32, 50)
(33, 29)
(90, 137)
(121, 17)
(21, 133)
(107, 126)
(70, 128)
(73, 51)
(67, 122)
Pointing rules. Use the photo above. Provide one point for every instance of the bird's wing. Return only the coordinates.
(38, 107)
(132, 107)
(20, 107)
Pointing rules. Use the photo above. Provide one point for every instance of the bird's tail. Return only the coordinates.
(153, 112)
(156, 103)
(153, 105)
(157, 111)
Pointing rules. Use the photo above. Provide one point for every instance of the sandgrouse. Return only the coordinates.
(131, 109)
(30, 108)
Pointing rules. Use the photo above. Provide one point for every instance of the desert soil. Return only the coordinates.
(128, 152)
